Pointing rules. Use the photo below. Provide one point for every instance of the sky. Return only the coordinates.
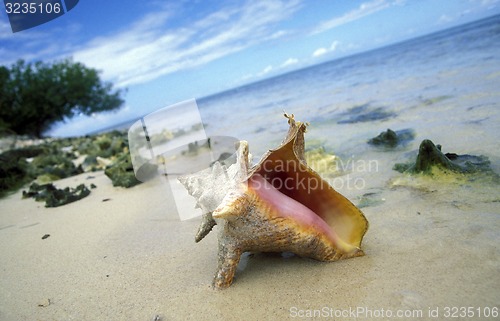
(163, 52)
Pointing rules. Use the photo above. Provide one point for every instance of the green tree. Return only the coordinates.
(33, 96)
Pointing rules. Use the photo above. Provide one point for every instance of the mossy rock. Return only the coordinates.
(54, 197)
(430, 156)
(54, 159)
(15, 170)
(121, 172)
(55, 165)
(391, 138)
(104, 145)
(365, 113)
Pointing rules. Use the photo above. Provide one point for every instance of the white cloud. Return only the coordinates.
(289, 62)
(270, 69)
(322, 51)
(150, 47)
(147, 51)
(279, 34)
(365, 9)
(319, 52)
(266, 70)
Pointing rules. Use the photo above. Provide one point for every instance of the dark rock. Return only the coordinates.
(56, 165)
(121, 172)
(15, 170)
(364, 113)
(430, 155)
(55, 197)
(54, 159)
(391, 139)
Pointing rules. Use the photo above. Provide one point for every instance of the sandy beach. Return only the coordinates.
(123, 254)
(432, 249)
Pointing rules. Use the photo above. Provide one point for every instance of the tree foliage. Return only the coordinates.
(33, 96)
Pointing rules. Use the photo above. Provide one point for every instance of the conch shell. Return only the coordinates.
(278, 205)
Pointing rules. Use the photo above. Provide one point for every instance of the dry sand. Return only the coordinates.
(430, 246)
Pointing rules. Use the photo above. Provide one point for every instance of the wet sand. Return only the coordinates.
(430, 246)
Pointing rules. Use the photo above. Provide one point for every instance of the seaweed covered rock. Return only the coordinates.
(121, 172)
(54, 159)
(387, 138)
(14, 169)
(391, 138)
(430, 156)
(55, 197)
(55, 166)
(364, 113)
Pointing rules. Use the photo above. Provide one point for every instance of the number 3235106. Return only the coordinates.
(31, 7)
(471, 312)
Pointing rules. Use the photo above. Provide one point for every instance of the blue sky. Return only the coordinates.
(164, 52)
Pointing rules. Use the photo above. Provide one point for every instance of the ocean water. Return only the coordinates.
(444, 86)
